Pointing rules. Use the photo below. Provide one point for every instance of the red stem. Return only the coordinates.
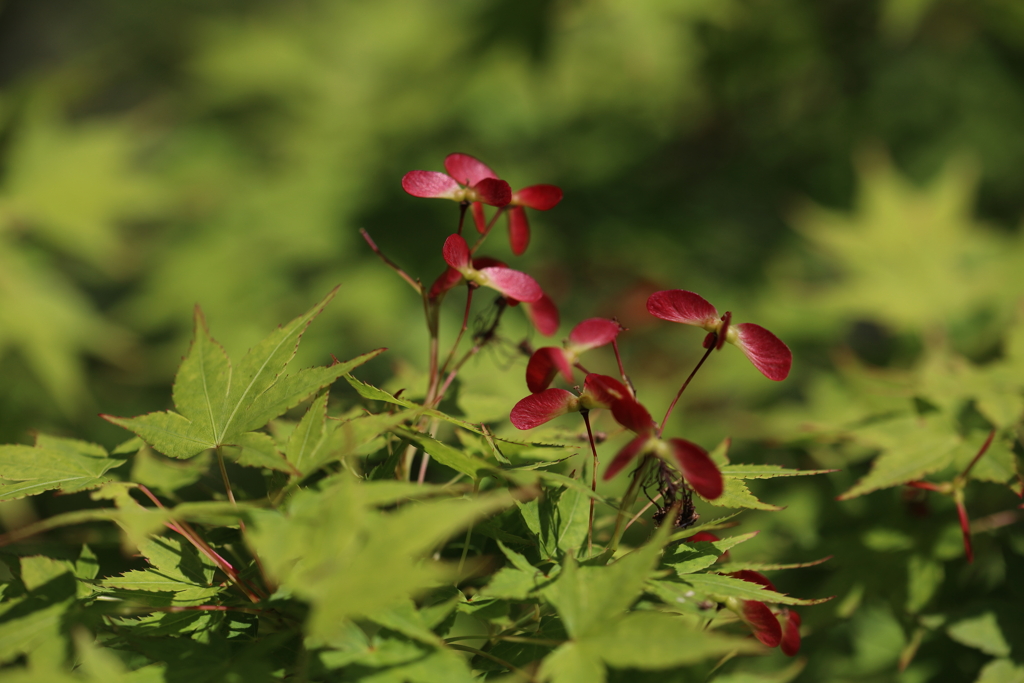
(183, 528)
(988, 442)
(711, 347)
(622, 370)
(926, 485)
(965, 526)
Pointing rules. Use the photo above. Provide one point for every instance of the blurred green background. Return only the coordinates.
(158, 155)
(845, 173)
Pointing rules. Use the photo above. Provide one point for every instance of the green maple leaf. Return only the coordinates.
(593, 603)
(335, 550)
(911, 447)
(218, 403)
(52, 463)
(177, 574)
(735, 493)
(912, 256)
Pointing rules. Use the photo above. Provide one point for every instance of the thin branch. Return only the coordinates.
(627, 503)
(642, 511)
(995, 521)
(391, 264)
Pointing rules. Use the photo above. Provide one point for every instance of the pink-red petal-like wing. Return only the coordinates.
(544, 364)
(493, 191)
(544, 315)
(791, 634)
(762, 622)
(518, 230)
(604, 389)
(626, 410)
(481, 262)
(466, 169)
(513, 284)
(540, 197)
(536, 409)
(456, 252)
(681, 306)
(448, 279)
(430, 184)
(625, 456)
(698, 469)
(479, 219)
(631, 414)
(766, 351)
(594, 332)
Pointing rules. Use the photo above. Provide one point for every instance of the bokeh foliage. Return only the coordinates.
(845, 173)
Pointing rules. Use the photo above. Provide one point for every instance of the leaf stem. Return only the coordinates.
(642, 511)
(224, 476)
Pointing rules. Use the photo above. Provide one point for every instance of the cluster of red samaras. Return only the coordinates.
(473, 184)
(764, 349)
(470, 182)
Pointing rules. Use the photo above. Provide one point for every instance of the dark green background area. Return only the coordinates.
(846, 173)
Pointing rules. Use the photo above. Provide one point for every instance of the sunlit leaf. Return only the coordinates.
(911, 448)
(217, 403)
(347, 559)
(737, 495)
